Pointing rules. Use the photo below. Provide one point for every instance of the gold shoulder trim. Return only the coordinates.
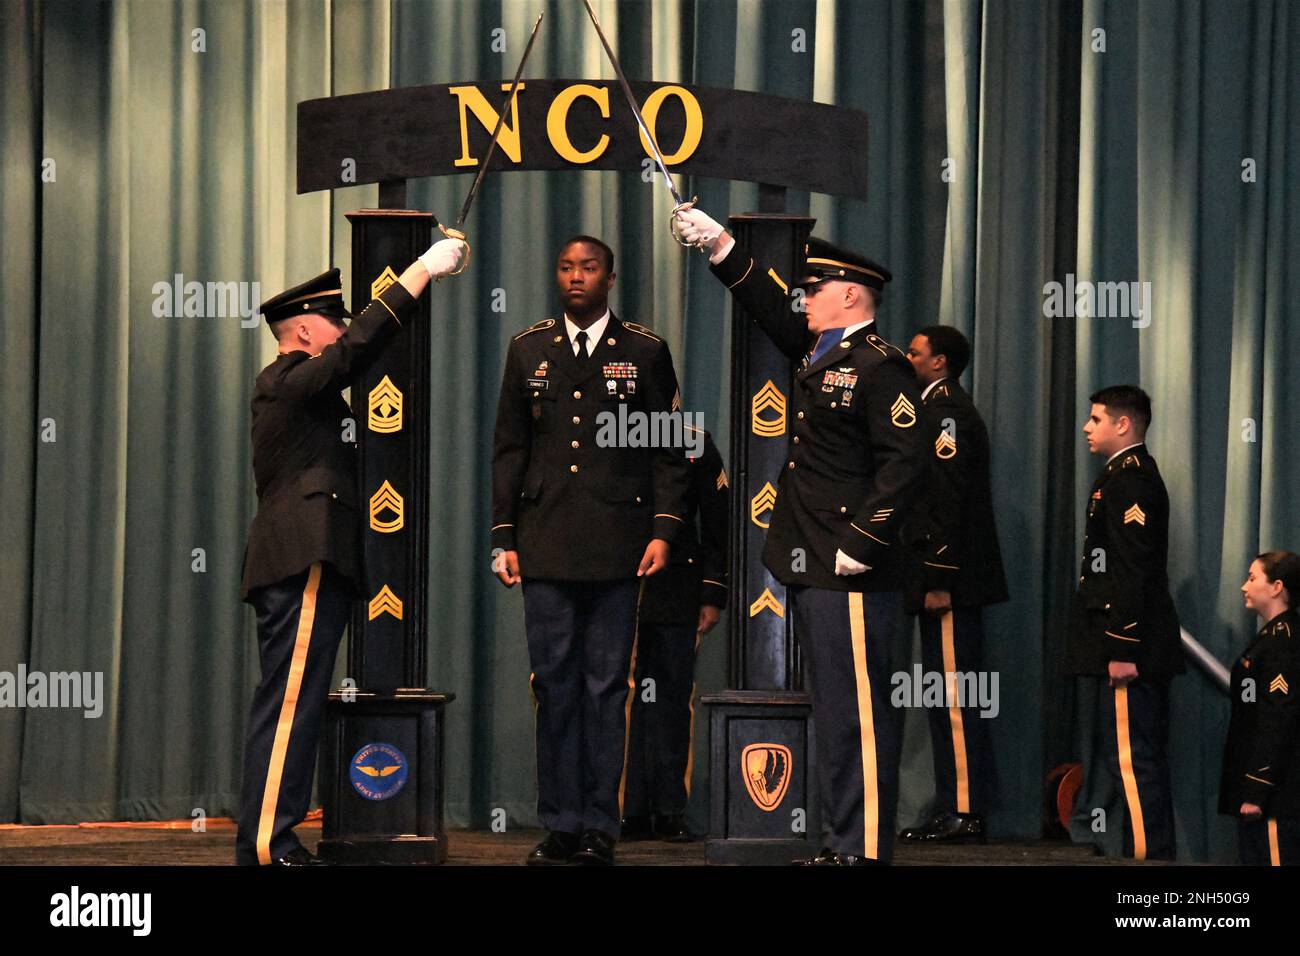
(882, 346)
(642, 329)
(544, 324)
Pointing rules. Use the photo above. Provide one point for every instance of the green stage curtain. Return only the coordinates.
(1004, 153)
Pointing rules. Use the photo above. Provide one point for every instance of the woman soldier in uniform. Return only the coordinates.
(1261, 760)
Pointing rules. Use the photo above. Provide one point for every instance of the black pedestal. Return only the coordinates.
(762, 785)
(380, 777)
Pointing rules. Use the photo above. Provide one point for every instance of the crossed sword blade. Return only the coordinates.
(455, 232)
(645, 130)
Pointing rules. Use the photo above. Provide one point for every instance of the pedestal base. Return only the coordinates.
(381, 778)
(763, 789)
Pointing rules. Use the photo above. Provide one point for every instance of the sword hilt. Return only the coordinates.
(672, 225)
(451, 233)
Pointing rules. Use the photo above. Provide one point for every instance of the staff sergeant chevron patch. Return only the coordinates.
(902, 413)
(945, 446)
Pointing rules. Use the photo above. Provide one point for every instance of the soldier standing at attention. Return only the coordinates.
(955, 570)
(579, 521)
(678, 607)
(1261, 758)
(1125, 625)
(855, 461)
(302, 566)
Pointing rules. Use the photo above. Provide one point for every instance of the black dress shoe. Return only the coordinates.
(672, 828)
(636, 828)
(827, 857)
(597, 849)
(556, 849)
(298, 856)
(848, 859)
(913, 833)
(949, 828)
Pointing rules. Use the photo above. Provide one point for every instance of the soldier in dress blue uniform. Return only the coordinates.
(1125, 628)
(678, 607)
(955, 571)
(302, 566)
(856, 458)
(579, 517)
(1261, 758)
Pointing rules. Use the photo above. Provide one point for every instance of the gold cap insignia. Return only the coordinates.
(768, 397)
(385, 602)
(1135, 514)
(945, 446)
(1279, 683)
(902, 413)
(762, 502)
(766, 769)
(387, 498)
(386, 278)
(767, 600)
(385, 405)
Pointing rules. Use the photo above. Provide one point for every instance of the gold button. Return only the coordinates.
(796, 439)
(1081, 579)
(791, 465)
(573, 468)
(1107, 607)
(577, 420)
(801, 414)
(621, 395)
(690, 560)
(843, 510)
(334, 494)
(832, 404)
(638, 499)
(573, 444)
(577, 394)
(610, 341)
(536, 394)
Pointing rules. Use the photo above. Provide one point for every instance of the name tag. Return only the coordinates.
(537, 383)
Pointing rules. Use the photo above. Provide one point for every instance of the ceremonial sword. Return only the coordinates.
(645, 131)
(455, 231)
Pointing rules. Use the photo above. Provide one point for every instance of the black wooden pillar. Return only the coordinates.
(764, 806)
(381, 764)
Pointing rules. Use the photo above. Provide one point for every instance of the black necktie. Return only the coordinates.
(582, 348)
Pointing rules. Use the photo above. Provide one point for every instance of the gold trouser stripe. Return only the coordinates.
(690, 734)
(954, 713)
(283, 729)
(631, 693)
(867, 728)
(1127, 775)
(1274, 855)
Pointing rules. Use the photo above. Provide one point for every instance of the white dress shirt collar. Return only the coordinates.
(926, 390)
(594, 332)
(1122, 450)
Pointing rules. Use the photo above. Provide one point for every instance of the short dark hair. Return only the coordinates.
(949, 342)
(593, 241)
(875, 294)
(1125, 400)
(1282, 566)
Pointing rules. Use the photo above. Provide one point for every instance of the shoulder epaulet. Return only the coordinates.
(544, 324)
(642, 329)
(883, 347)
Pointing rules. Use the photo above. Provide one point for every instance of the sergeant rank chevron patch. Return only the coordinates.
(1135, 514)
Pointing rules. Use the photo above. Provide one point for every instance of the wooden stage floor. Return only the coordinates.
(139, 845)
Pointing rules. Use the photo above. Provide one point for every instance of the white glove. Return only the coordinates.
(844, 565)
(698, 229)
(444, 257)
